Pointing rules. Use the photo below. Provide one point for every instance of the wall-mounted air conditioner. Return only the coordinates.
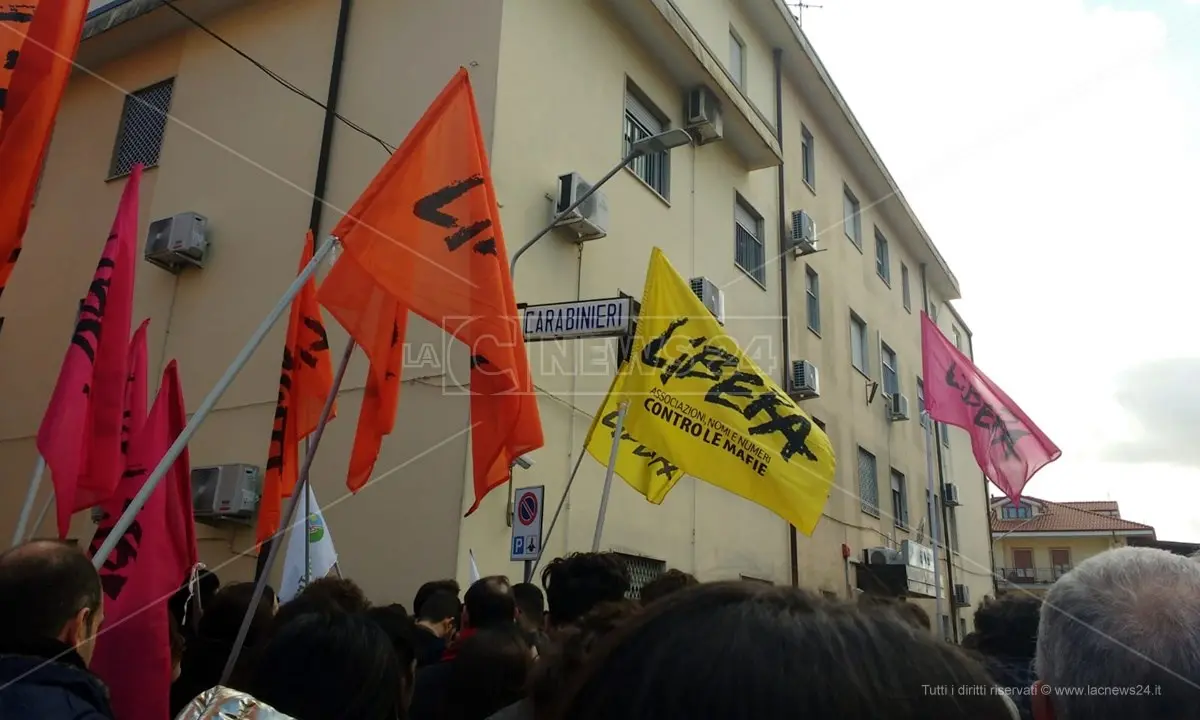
(805, 383)
(177, 242)
(712, 296)
(897, 407)
(883, 556)
(226, 492)
(704, 116)
(962, 595)
(589, 221)
(803, 239)
(950, 495)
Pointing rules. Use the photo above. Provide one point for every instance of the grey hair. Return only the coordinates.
(1127, 619)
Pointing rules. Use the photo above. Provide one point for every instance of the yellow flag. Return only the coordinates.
(698, 405)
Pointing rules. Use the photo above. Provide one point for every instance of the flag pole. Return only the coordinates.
(933, 519)
(307, 515)
(289, 516)
(30, 499)
(608, 474)
(207, 405)
(41, 518)
(561, 502)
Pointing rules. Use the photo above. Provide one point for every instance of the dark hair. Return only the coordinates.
(580, 581)
(43, 585)
(908, 612)
(530, 601)
(573, 643)
(1007, 626)
(735, 650)
(325, 596)
(398, 624)
(207, 586)
(176, 640)
(429, 588)
(440, 606)
(330, 666)
(488, 674)
(665, 584)
(489, 602)
(222, 618)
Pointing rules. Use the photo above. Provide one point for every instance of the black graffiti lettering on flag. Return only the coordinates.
(91, 314)
(430, 209)
(660, 464)
(735, 388)
(996, 421)
(306, 353)
(114, 572)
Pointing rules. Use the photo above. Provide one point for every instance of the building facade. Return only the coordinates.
(562, 87)
(1037, 541)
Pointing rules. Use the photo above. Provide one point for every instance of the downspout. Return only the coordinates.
(785, 329)
(331, 102)
(941, 471)
(987, 499)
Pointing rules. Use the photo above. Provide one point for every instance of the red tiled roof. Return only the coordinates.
(1067, 517)
(1099, 506)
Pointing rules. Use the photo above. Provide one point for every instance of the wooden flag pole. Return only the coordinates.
(289, 516)
(608, 474)
(209, 402)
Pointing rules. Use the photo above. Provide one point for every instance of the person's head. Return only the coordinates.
(188, 602)
(1125, 618)
(49, 591)
(489, 603)
(428, 589)
(223, 615)
(398, 624)
(573, 644)
(488, 674)
(665, 584)
(177, 646)
(580, 581)
(324, 596)
(439, 613)
(531, 606)
(908, 612)
(1007, 626)
(330, 666)
(736, 650)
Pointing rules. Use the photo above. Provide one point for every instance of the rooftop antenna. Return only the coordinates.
(798, 7)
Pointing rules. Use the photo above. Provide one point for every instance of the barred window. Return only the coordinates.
(641, 571)
(749, 253)
(868, 483)
(143, 124)
(642, 120)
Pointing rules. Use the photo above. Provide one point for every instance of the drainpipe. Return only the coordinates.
(331, 102)
(987, 495)
(785, 329)
(941, 472)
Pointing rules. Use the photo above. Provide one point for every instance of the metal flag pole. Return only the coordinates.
(207, 405)
(561, 502)
(307, 517)
(933, 518)
(41, 518)
(608, 474)
(289, 516)
(30, 499)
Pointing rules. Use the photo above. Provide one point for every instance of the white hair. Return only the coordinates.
(1124, 626)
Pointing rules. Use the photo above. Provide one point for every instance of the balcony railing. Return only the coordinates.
(1032, 576)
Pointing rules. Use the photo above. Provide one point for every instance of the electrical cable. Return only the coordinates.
(277, 77)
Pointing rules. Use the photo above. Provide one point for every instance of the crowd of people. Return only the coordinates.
(582, 650)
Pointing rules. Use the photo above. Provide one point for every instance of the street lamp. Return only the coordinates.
(662, 142)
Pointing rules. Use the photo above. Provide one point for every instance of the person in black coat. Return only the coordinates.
(50, 610)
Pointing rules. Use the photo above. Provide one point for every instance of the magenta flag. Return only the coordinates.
(151, 561)
(1007, 445)
(135, 387)
(80, 434)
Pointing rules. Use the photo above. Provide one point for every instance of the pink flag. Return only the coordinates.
(80, 435)
(135, 387)
(153, 558)
(1008, 446)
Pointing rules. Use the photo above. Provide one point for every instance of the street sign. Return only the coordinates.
(608, 317)
(527, 523)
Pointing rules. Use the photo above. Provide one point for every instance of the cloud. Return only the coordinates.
(1162, 397)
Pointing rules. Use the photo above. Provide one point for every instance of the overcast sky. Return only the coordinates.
(1050, 148)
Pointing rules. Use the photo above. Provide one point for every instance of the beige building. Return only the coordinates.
(562, 87)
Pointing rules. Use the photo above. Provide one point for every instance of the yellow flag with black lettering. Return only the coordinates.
(698, 405)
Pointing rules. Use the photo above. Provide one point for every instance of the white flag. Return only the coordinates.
(321, 555)
(474, 567)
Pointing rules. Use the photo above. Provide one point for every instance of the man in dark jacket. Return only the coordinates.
(50, 610)
(435, 625)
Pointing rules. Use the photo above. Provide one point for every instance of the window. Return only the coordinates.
(957, 337)
(946, 625)
(929, 513)
(642, 121)
(905, 291)
(952, 530)
(921, 403)
(962, 627)
(858, 343)
(1060, 561)
(933, 314)
(868, 483)
(851, 218)
(891, 380)
(883, 263)
(899, 500)
(1016, 512)
(812, 290)
(808, 158)
(748, 251)
(641, 571)
(1023, 560)
(143, 124)
(945, 431)
(737, 58)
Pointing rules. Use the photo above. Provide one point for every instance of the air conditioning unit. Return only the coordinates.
(950, 495)
(226, 493)
(589, 221)
(704, 116)
(962, 595)
(803, 240)
(712, 296)
(804, 381)
(897, 407)
(177, 242)
(883, 556)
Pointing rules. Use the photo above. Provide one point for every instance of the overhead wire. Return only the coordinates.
(277, 77)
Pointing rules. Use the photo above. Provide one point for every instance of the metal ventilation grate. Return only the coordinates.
(641, 571)
(143, 123)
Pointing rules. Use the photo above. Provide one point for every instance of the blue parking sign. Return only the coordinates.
(519, 545)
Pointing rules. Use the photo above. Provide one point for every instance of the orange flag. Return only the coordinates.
(427, 230)
(304, 382)
(31, 97)
(15, 19)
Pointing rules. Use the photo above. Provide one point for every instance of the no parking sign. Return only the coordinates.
(527, 523)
